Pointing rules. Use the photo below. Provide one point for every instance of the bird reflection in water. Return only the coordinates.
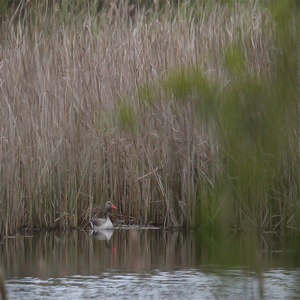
(104, 235)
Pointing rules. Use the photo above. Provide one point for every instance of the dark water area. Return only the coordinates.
(150, 264)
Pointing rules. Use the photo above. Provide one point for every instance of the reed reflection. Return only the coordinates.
(52, 255)
(2, 286)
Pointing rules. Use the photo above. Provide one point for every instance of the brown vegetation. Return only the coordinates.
(74, 130)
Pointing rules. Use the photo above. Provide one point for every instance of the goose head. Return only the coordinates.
(108, 207)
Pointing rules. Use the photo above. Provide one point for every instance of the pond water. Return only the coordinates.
(150, 264)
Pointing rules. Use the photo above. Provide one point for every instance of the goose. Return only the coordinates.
(103, 223)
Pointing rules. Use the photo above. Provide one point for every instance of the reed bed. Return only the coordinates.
(83, 117)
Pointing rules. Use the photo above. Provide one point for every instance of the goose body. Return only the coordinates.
(103, 223)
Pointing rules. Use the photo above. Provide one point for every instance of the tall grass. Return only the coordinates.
(254, 118)
(84, 117)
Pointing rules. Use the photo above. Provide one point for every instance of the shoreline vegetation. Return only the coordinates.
(183, 114)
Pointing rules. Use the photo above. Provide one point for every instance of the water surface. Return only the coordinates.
(150, 264)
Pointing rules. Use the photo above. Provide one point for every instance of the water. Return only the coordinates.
(150, 264)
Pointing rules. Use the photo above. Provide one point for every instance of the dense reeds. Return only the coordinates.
(89, 112)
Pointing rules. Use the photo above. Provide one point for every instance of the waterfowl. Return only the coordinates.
(103, 223)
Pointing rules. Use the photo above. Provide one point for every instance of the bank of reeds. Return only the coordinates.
(83, 116)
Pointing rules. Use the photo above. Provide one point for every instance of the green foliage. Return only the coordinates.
(189, 85)
(146, 94)
(4, 4)
(256, 123)
(101, 121)
(235, 59)
(126, 115)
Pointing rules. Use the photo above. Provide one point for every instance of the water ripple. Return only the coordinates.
(183, 284)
